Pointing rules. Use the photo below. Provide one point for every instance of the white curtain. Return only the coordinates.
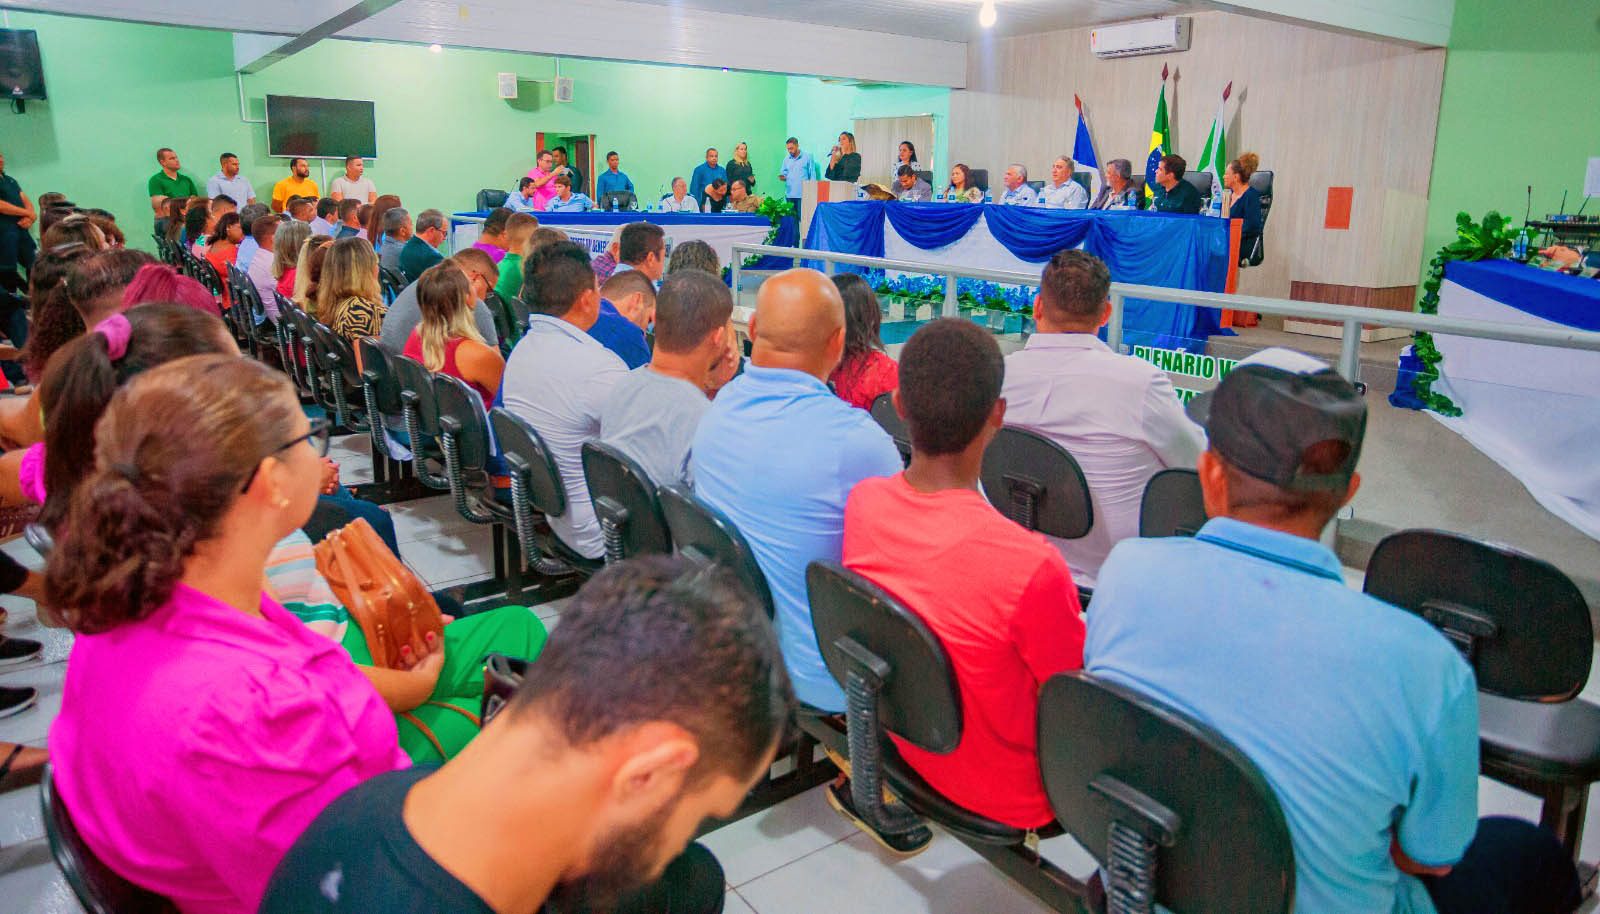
(878, 140)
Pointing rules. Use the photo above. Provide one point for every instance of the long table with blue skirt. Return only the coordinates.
(1534, 410)
(720, 230)
(1156, 249)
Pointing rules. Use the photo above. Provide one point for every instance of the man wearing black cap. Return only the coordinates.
(1361, 716)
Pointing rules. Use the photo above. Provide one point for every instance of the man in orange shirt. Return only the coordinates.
(298, 184)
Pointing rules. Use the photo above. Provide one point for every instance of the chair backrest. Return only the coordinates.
(490, 197)
(1172, 504)
(99, 889)
(624, 199)
(461, 415)
(502, 677)
(1109, 755)
(1201, 181)
(527, 456)
(884, 414)
(1521, 622)
(980, 178)
(1036, 185)
(1085, 182)
(207, 275)
(857, 621)
(625, 502)
(705, 535)
(415, 380)
(924, 174)
(1138, 185)
(1035, 482)
(379, 371)
(1261, 180)
(393, 284)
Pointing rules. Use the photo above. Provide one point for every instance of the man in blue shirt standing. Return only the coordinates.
(703, 176)
(1361, 716)
(797, 170)
(611, 179)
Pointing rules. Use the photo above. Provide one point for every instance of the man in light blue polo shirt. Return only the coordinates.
(797, 170)
(778, 453)
(1361, 716)
(228, 182)
(1018, 191)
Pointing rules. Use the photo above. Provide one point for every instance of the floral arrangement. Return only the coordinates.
(1491, 238)
(971, 294)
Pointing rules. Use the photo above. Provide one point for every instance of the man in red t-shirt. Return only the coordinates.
(1000, 598)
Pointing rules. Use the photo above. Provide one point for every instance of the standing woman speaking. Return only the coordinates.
(844, 164)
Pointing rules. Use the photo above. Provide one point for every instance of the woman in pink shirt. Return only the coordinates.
(544, 176)
(202, 727)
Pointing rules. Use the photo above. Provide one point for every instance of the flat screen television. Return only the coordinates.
(320, 127)
(21, 74)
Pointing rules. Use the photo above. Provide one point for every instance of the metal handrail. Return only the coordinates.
(1352, 318)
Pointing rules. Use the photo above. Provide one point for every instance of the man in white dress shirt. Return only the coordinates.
(559, 377)
(1062, 192)
(680, 200)
(1018, 193)
(1117, 415)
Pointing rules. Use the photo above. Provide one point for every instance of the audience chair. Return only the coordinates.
(897, 679)
(305, 339)
(99, 889)
(1172, 504)
(502, 677)
(289, 344)
(421, 415)
(1035, 482)
(489, 198)
(1173, 812)
(1525, 628)
(392, 283)
(510, 319)
(537, 492)
(1201, 181)
(626, 503)
(705, 535)
(206, 274)
(464, 437)
(341, 378)
(393, 480)
(883, 412)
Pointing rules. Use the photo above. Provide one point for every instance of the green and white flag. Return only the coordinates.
(1215, 157)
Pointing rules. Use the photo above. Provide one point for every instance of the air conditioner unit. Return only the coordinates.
(563, 88)
(1150, 36)
(508, 85)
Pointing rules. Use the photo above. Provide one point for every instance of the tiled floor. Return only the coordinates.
(798, 856)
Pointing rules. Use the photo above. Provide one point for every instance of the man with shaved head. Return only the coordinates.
(778, 453)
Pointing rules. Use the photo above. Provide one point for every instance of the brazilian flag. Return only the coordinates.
(1160, 138)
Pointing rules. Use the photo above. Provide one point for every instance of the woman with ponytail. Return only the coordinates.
(202, 726)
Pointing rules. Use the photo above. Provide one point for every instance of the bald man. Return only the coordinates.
(779, 453)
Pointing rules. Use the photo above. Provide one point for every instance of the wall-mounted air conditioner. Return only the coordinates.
(1149, 36)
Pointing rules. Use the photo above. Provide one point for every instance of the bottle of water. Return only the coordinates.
(1519, 248)
(939, 197)
(1216, 205)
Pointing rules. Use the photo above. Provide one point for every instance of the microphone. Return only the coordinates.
(1563, 203)
(1528, 213)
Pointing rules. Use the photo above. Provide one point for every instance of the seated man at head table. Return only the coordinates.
(1362, 717)
(1018, 191)
(1172, 194)
(740, 200)
(1061, 191)
(565, 201)
(581, 794)
(680, 200)
(908, 188)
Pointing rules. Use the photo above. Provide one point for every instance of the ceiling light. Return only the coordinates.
(436, 48)
(986, 14)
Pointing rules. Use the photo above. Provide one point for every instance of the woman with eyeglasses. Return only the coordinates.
(202, 726)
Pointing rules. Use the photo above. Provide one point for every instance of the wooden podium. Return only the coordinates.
(821, 192)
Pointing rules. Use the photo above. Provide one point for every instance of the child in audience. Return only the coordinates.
(447, 341)
(866, 371)
(202, 727)
(519, 232)
(998, 597)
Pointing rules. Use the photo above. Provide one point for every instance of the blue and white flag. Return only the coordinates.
(1083, 154)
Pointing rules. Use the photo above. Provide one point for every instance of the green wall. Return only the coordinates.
(119, 90)
(1518, 108)
(819, 110)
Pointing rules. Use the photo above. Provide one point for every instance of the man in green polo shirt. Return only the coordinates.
(168, 182)
(1172, 194)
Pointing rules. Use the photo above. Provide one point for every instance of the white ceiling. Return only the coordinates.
(949, 20)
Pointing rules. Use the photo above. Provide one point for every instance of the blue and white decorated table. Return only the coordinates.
(720, 230)
(1157, 249)
(1532, 409)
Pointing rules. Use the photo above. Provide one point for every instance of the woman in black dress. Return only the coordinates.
(845, 163)
(740, 169)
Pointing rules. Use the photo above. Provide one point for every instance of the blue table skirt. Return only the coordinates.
(1156, 249)
(1559, 297)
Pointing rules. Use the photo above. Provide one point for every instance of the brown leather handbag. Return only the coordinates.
(384, 597)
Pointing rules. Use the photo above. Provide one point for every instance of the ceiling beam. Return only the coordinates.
(362, 11)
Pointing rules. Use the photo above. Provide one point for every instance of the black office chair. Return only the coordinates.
(624, 199)
(1262, 181)
(1525, 628)
(1035, 482)
(884, 414)
(898, 679)
(421, 414)
(393, 282)
(980, 178)
(490, 198)
(625, 502)
(1200, 181)
(537, 492)
(925, 175)
(1085, 182)
(705, 535)
(1172, 504)
(1138, 183)
(99, 889)
(341, 379)
(305, 342)
(1036, 185)
(1174, 813)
